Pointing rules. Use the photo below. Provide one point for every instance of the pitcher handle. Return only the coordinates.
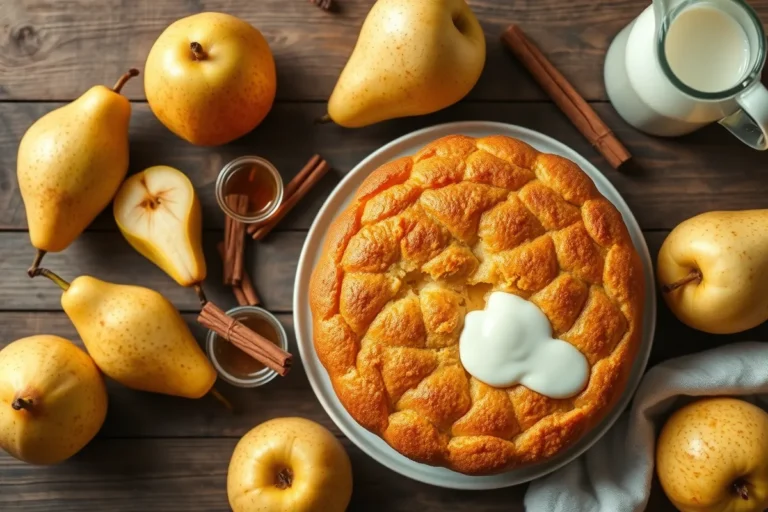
(750, 123)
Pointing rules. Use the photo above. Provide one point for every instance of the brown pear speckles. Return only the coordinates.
(221, 91)
(52, 399)
(138, 338)
(395, 72)
(714, 451)
(70, 163)
(725, 253)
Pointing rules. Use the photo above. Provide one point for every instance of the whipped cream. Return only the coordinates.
(510, 342)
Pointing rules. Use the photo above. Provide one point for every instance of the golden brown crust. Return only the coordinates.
(423, 241)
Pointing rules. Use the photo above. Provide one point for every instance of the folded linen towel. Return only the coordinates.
(615, 474)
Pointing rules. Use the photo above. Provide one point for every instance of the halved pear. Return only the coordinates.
(158, 212)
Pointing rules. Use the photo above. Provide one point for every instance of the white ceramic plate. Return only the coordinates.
(318, 378)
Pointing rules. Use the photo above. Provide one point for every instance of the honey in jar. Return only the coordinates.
(237, 362)
(234, 365)
(257, 183)
(255, 178)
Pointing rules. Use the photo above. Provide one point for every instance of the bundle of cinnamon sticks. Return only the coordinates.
(232, 252)
(247, 340)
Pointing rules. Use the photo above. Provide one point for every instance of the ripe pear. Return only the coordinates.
(52, 399)
(411, 58)
(158, 212)
(712, 455)
(136, 336)
(289, 465)
(713, 269)
(210, 78)
(71, 162)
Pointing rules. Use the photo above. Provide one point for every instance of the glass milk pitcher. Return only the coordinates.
(683, 64)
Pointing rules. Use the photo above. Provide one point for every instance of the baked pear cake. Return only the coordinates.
(478, 305)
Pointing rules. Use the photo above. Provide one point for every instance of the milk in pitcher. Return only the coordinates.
(674, 81)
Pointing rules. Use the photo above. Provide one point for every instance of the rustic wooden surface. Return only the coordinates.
(162, 453)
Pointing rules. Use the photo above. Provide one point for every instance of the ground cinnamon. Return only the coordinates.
(234, 243)
(312, 177)
(565, 96)
(245, 339)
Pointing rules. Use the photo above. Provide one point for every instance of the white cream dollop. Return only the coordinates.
(510, 342)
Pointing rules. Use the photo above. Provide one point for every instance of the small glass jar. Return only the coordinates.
(234, 365)
(256, 178)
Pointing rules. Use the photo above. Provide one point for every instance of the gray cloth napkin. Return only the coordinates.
(615, 474)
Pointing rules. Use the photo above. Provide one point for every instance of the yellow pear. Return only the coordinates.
(71, 162)
(289, 465)
(712, 456)
(52, 399)
(713, 269)
(136, 336)
(210, 78)
(158, 212)
(411, 58)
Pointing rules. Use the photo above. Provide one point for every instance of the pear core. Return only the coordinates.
(159, 214)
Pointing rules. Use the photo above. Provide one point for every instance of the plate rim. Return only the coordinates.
(355, 432)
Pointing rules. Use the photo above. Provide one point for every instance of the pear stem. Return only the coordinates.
(52, 276)
(36, 263)
(197, 51)
(324, 119)
(693, 275)
(221, 398)
(284, 478)
(127, 76)
(21, 403)
(740, 488)
(200, 294)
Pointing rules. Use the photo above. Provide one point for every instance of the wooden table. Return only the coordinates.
(162, 453)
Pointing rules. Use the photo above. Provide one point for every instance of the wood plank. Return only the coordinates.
(51, 53)
(134, 414)
(669, 181)
(56, 50)
(124, 475)
(271, 263)
(159, 472)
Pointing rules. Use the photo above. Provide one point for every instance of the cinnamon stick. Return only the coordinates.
(227, 258)
(565, 97)
(249, 291)
(301, 176)
(239, 296)
(292, 186)
(245, 339)
(234, 243)
(245, 293)
(286, 206)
